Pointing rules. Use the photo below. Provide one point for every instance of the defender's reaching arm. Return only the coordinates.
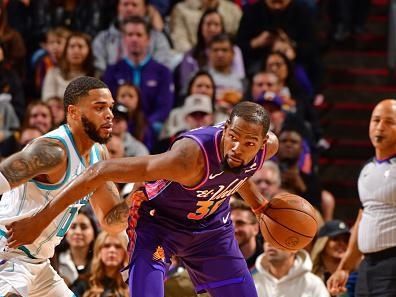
(174, 165)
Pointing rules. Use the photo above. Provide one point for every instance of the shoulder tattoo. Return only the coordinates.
(37, 158)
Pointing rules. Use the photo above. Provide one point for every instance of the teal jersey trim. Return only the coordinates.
(22, 248)
(70, 135)
(51, 187)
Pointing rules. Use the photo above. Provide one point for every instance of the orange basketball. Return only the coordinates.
(288, 222)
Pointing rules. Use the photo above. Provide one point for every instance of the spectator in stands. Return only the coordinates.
(263, 83)
(77, 60)
(294, 180)
(291, 94)
(144, 10)
(27, 134)
(187, 14)
(49, 56)
(283, 44)
(228, 81)
(284, 273)
(110, 256)
(246, 229)
(11, 88)
(38, 115)
(73, 257)
(266, 17)
(268, 179)
(202, 83)
(210, 25)
(328, 250)
(115, 146)
(12, 43)
(57, 110)
(132, 146)
(9, 122)
(153, 79)
(9, 125)
(82, 16)
(129, 95)
(108, 45)
(196, 112)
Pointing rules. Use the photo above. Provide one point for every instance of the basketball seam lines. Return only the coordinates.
(269, 232)
(287, 208)
(288, 228)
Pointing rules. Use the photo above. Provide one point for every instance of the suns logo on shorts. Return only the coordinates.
(159, 254)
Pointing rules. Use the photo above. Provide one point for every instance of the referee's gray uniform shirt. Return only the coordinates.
(377, 191)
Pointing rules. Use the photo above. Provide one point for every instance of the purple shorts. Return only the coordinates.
(212, 257)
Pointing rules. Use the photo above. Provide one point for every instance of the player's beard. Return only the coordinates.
(227, 168)
(92, 132)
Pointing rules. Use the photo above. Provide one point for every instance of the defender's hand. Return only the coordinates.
(23, 232)
(337, 281)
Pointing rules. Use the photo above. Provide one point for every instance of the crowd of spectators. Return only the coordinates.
(173, 66)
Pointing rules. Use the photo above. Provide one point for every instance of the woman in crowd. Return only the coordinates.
(210, 25)
(328, 251)
(110, 256)
(38, 115)
(292, 95)
(77, 60)
(128, 95)
(14, 46)
(57, 110)
(74, 255)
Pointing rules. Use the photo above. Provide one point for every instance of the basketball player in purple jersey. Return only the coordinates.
(187, 213)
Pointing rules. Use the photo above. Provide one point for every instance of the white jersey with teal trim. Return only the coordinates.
(27, 199)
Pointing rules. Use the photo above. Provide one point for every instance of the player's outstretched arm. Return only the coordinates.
(337, 281)
(43, 156)
(183, 164)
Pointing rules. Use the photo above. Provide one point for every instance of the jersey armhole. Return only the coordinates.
(206, 176)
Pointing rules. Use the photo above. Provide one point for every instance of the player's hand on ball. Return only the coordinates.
(22, 232)
(337, 281)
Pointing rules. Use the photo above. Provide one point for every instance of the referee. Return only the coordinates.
(374, 235)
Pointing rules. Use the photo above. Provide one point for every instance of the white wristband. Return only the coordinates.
(4, 184)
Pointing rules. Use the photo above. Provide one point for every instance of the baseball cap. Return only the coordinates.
(196, 103)
(333, 228)
(270, 101)
(120, 111)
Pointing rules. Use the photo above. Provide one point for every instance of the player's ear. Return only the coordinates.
(227, 124)
(73, 112)
(265, 141)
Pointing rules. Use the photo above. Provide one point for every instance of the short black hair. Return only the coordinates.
(80, 87)
(222, 37)
(136, 20)
(251, 112)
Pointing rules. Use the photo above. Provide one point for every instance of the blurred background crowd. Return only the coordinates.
(178, 65)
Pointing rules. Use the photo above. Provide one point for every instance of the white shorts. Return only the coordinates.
(33, 280)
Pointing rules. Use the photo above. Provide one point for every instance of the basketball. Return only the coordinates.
(288, 222)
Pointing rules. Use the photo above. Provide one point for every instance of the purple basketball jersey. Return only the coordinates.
(205, 205)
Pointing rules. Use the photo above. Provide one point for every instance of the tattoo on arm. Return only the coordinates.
(119, 213)
(38, 158)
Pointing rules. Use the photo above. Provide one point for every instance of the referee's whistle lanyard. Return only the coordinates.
(137, 69)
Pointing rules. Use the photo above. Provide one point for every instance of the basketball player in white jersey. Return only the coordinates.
(32, 177)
